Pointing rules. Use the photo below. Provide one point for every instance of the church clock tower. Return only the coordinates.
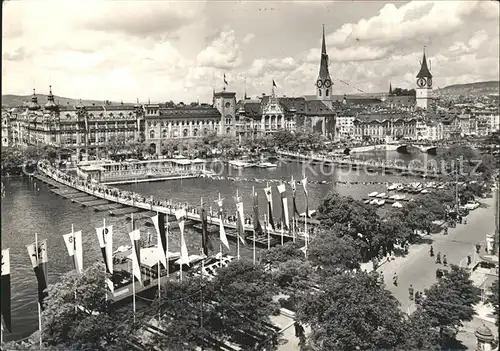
(324, 82)
(424, 85)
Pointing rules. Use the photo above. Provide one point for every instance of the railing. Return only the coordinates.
(169, 210)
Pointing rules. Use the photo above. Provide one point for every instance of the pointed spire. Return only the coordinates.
(50, 105)
(33, 105)
(424, 70)
(324, 74)
(323, 45)
(390, 89)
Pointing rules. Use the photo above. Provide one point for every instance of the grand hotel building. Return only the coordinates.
(87, 128)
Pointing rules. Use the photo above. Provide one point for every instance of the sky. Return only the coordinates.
(160, 50)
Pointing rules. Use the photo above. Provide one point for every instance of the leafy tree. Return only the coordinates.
(353, 312)
(115, 144)
(282, 253)
(450, 301)
(420, 334)
(333, 254)
(77, 314)
(493, 299)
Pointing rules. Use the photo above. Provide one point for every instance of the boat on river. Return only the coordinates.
(375, 193)
(240, 164)
(266, 165)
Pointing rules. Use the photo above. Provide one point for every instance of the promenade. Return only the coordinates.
(388, 167)
(138, 201)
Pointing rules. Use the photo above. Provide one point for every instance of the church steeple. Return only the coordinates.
(50, 105)
(390, 89)
(424, 70)
(33, 105)
(324, 81)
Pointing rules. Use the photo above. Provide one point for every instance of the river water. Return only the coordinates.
(30, 207)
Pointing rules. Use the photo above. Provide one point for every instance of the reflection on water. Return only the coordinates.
(26, 211)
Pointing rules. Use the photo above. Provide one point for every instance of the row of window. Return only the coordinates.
(183, 123)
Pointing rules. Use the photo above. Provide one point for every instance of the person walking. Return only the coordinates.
(438, 258)
(431, 251)
(395, 279)
(410, 291)
(478, 247)
(445, 261)
(469, 260)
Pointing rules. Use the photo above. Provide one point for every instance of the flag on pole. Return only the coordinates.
(294, 191)
(222, 230)
(269, 197)
(284, 206)
(38, 255)
(74, 245)
(135, 236)
(5, 292)
(225, 80)
(240, 217)
(274, 84)
(256, 223)
(304, 185)
(105, 237)
(181, 217)
(159, 223)
(206, 243)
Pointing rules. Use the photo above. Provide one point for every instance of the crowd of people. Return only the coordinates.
(93, 187)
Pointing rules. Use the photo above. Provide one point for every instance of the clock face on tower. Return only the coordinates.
(421, 82)
(429, 82)
(319, 83)
(328, 83)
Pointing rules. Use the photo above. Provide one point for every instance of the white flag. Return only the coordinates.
(269, 194)
(223, 237)
(6, 262)
(181, 217)
(105, 237)
(135, 236)
(75, 248)
(241, 218)
(284, 204)
(38, 256)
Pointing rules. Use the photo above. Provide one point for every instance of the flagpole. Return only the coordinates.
(134, 252)
(106, 262)
(306, 234)
(237, 230)
(168, 262)
(267, 231)
(39, 306)
(282, 233)
(74, 258)
(160, 247)
(256, 219)
(221, 223)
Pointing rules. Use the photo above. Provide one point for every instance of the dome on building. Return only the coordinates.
(80, 104)
(50, 105)
(33, 104)
(484, 333)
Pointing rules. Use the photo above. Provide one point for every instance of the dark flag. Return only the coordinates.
(5, 292)
(135, 237)
(304, 185)
(240, 217)
(206, 243)
(256, 223)
(160, 225)
(274, 84)
(38, 255)
(105, 237)
(294, 190)
(225, 80)
(269, 197)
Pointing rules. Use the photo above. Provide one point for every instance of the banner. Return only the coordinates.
(135, 236)
(159, 223)
(39, 258)
(5, 292)
(256, 223)
(222, 230)
(105, 237)
(284, 207)
(294, 191)
(304, 185)
(269, 197)
(74, 245)
(206, 243)
(240, 217)
(181, 217)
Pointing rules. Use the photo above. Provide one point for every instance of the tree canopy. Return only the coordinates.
(493, 299)
(353, 311)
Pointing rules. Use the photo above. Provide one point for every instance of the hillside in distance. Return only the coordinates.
(473, 89)
(10, 100)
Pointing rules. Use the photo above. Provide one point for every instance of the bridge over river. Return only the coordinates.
(95, 195)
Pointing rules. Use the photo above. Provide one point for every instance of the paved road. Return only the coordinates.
(419, 269)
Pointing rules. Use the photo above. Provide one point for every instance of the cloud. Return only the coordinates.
(223, 53)
(180, 50)
(248, 38)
